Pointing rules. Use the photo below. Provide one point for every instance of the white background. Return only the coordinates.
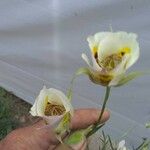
(41, 42)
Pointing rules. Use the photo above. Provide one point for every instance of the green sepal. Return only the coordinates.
(129, 77)
(95, 77)
(83, 70)
(63, 125)
(75, 138)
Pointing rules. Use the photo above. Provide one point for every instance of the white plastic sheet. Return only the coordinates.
(41, 43)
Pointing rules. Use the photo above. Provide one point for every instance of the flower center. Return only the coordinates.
(54, 109)
(111, 62)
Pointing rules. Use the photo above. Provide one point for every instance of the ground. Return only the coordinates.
(14, 112)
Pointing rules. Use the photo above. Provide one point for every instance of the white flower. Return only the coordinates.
(112, 54)
(121, 145)
(53, 106)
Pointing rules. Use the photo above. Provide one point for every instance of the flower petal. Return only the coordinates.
(39, 105)
(113, 43)
(86, 59)
(135, 52)
(95, 66)
(121, 68)
(121, 145)
(92, 42)
(119, 71)
(101, 35)
(53, 121)
(33, 111)
(95, 40)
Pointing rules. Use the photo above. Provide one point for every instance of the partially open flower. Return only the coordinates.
(112, 54)
(53, 106)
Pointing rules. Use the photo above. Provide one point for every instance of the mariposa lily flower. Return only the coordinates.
(112, 54)
(121, 145)
(54, 107)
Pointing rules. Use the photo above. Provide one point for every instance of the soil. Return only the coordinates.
(18, 108)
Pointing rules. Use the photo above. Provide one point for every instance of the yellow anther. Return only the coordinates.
(125, 50)
(95, 49)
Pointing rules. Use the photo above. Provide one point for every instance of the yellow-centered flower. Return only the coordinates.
(53, 106)
(112, 54)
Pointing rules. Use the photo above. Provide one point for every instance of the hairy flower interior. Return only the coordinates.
(111, 62)
(54, 109)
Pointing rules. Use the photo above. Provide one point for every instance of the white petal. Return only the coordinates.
(119, 71)
(92, 42)
(121, 68)
(86, 59)
(116, 41)
(96, 66)
(53, 121)
(101, 35)
(41, 102)
(96, 39)
(135, 52)
(121, 145)
(33, 111)
(39, 105)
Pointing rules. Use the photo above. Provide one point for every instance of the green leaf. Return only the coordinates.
(75, 138)
(129, 77)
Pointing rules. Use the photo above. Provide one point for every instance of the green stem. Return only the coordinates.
(94, 128)
(104, 104)
(69, 92)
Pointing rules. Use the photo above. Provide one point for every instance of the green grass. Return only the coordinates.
(11, 109)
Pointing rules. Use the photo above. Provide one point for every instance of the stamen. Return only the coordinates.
(110, 62)
(54, 109)
(95, 48)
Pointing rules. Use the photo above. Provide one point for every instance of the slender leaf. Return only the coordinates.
(129, 77)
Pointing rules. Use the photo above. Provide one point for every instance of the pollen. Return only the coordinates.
(54, 109)
(125, 50)
(95, 49)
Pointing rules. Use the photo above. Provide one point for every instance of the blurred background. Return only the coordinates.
(41, 44)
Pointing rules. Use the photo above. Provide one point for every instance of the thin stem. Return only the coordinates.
(94, 128)
(104, 104)
(69, 92)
